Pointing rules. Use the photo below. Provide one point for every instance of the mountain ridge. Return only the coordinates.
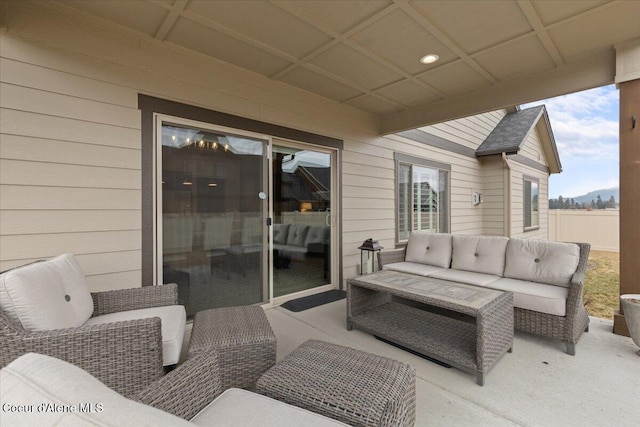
(605, 194)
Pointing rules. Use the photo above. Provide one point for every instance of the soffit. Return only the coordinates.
(365, 53)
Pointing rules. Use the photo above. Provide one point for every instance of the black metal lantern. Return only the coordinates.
(369, 256)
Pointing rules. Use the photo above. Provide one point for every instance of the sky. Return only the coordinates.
(585, 127)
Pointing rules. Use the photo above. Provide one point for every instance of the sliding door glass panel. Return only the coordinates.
(212, 217)
(301, 219)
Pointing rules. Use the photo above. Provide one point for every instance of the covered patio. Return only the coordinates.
(85, 86)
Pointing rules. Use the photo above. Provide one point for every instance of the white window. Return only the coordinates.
(531, 211)
(423, 196)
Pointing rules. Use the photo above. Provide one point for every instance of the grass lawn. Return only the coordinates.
(602, 284)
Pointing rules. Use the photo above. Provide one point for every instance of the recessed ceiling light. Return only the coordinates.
(429, 59)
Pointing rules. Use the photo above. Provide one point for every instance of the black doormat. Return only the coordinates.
(311, 301)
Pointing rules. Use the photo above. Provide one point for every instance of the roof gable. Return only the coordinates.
(511, 133)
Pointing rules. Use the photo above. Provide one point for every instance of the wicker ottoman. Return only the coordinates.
(357, 388)
(243, 338)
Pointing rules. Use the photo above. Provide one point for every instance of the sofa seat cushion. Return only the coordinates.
(412, 267)
(290, 249)
(541, 261)
(46, 295)
(35, 379)
(429, 248)
(533, 296)
(173, 320)
(467, 277)
(480, 254)
(237, 407)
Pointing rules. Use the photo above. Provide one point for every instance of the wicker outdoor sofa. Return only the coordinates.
(546, 278)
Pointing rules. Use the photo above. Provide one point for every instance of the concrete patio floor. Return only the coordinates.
(536, 385)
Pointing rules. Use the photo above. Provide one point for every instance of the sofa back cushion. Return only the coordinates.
(317, 234)
(46, 295)
(429, 248)
(540, 261)
(40, 382)
(480, 254)
(297, 235)
(280, 232)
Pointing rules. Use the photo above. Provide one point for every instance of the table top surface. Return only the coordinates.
(430, 290)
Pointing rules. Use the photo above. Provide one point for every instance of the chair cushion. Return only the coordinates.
(46, 295)
(412, 267)
(541, 261)
(36, 380)
(468, 277)
(429, 248)
(173, 319)
(480, 254)
(532, 296)
(230, 410)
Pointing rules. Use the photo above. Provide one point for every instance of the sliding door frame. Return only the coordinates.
(150, 106)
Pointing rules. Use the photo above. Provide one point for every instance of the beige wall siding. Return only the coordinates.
(468, 131)
(69, 167)
(493, 196)
(532, 148)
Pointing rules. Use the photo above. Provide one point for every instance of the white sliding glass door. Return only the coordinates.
(241, 220)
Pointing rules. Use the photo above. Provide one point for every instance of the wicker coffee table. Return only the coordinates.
(467, 327)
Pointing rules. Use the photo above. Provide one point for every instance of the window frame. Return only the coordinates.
(531, 180)
(425, 163)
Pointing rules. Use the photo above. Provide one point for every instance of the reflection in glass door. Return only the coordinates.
(213, 212)
(301, 219)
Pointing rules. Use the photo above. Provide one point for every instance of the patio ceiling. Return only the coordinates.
(493, 54)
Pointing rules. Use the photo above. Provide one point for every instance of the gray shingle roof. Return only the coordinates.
(509, 135)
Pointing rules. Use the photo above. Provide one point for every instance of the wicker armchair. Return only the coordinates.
(126, 356)
(186, 390)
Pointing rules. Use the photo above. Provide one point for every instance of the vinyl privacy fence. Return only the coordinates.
(599, 227)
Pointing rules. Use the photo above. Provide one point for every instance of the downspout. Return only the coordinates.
(507, 196)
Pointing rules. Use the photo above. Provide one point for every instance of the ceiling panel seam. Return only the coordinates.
(345, 39)
(337, 37)
(584, 13)
(532, 16)
(283, 55)
(446, 40)
(171, 19)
